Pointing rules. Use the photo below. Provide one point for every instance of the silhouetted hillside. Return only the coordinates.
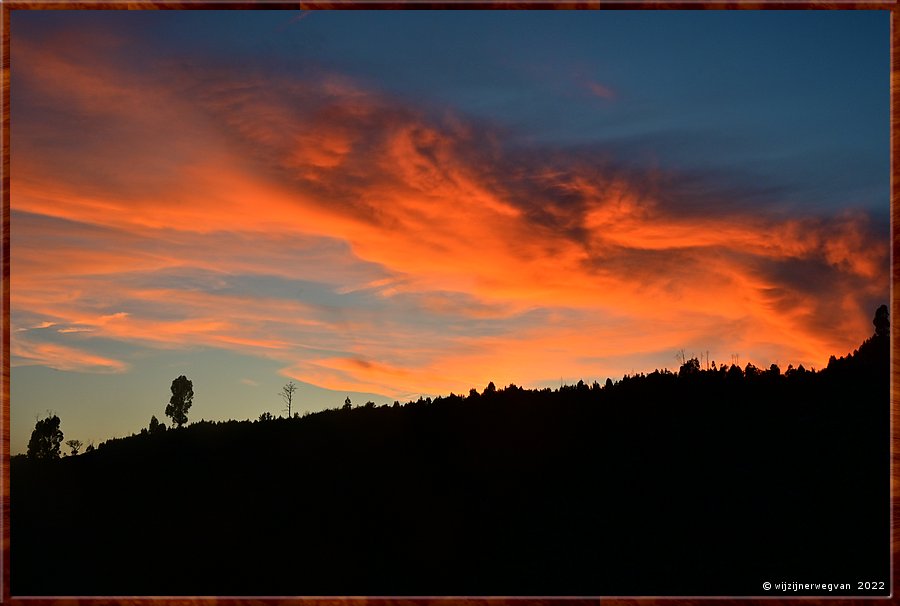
(704, 482)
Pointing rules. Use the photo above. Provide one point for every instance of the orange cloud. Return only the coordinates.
(62, 357)
(440, 258)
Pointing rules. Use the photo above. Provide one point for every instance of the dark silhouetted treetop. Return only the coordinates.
(735, 373)
(873, 352)
(180, 402)
(751, 371)
(287, 394)
(690, 367)
(155, 426)
(882, 322)
(45, 439)
(74, 445)
(347, 404)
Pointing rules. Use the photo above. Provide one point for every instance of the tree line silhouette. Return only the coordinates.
(700, 481)
(47, 436)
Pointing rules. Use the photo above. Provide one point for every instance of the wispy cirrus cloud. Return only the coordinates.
(63, 357)
(599, 90)
(370, 244)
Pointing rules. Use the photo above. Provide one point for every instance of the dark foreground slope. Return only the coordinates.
(708, 483)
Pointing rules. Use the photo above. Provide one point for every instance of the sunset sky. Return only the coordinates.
(384, 205)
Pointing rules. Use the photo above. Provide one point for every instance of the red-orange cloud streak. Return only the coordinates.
(444, 227)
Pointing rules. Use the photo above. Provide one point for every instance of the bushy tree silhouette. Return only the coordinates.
(74, 445)
(180, 402)
(45, 439)
(882, 322)
(689, 367)
(155, 426)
